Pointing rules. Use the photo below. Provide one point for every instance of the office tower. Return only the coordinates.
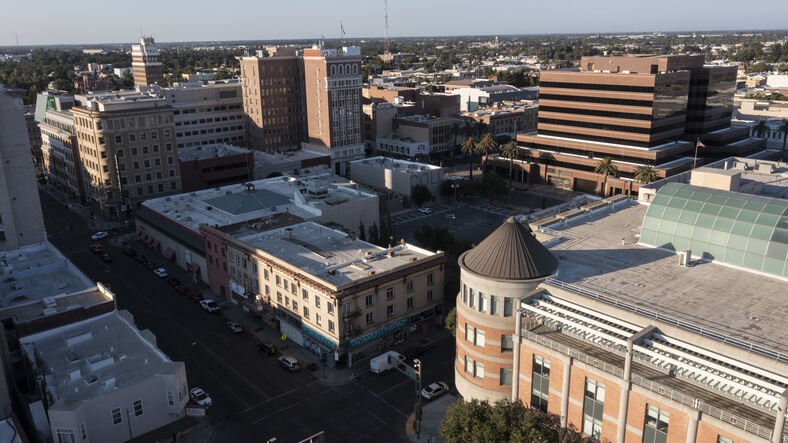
(145, 63)
(21, 221)
(127, 149)
(333, 102)
(273, 99)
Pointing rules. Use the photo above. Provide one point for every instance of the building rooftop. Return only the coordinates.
(209, 151)
(272, 158)
(87, 359)
(391, 163)
(600, 253)
(36, 273)
(302, 196)
(331, 255)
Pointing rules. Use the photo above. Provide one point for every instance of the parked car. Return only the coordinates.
(183, 290)
(267, 348)
(96, 248)
(172, 281)
(161, 272)
(235, 327)
(141, 259)
(194, 296)
(385, 362)
(289, 363)
(152, 265)
(106, 258)
(200, 397)
(209, 305)
(425, 210)
(435, 390)
(130, 252)
(99, 235)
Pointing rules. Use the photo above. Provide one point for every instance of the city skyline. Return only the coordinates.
(365, 20)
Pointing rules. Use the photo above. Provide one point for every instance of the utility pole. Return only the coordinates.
(413, 373)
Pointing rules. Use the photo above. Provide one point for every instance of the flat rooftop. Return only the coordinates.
(287, 156)
(34, 273)
(302, 196)
(332, 255)
(600, 252)
(391, 163)
(87, 359)
(209, 151)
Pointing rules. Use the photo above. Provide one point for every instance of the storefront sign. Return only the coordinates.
(378, 332)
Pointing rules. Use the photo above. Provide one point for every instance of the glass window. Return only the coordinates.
(472, 298)
(506, 376)
(468, 333)
(478, 370)
(507, 344)
(656, 427)
(494, 308)
(508, 306)
(540, 383)
(304, 294)
(170, 398)
(468, 365)
(117, 417)
(593, 403)
(479, 341)
(483, 302)
(137, 408)
(721, 439)
(65, 436)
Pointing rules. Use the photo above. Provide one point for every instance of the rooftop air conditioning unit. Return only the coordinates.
(685, 257)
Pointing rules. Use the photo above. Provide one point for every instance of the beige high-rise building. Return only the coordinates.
(145, 64)
(273, 99)
(21, 221)
(127, 150)
(332, 81)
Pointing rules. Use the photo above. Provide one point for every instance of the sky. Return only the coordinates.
(64, 22)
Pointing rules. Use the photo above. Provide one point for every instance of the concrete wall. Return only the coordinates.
(396, 180)
(350, 213)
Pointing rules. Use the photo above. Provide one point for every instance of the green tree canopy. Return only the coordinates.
(420, 195)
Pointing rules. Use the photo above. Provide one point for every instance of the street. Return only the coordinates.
(253, 398)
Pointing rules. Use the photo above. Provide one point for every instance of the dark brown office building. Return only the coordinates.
(273, 99)
(213, 166)
(637, 110)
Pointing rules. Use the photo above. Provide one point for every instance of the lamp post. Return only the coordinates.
(455, 186)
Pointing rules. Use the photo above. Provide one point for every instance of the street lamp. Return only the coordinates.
(455, 186)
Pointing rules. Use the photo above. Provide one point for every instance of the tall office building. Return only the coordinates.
(127, 149)
(273, 99)
(333, 102)
(637, 110)
(145, 64)
(21, 221)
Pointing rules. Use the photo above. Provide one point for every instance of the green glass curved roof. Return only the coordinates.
(745, 230)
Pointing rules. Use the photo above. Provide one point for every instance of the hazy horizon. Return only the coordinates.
(200, 20)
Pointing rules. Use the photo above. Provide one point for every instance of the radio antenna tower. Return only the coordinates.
(386, 29)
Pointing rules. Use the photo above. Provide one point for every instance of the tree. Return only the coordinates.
(450, 322)
(420, 195)
(646, 174)
(606, 167)
(510, 151)
(469, 148)
(784, 129)
(128, 79)
(362, 232)
(434, 239)
(485, 147)
(493, 184)
(757, 67)
(760, 129)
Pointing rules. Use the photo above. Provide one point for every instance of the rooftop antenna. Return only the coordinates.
(341, 30)
(386, 28)
(16, 35)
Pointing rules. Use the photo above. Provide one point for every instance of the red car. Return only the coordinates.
(183, 290)
(195, 296)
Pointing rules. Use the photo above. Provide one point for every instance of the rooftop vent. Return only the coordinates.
(332, 272)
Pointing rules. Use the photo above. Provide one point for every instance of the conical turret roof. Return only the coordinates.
(511, 252)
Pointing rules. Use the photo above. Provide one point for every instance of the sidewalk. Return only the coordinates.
(431, 415)
(92, 219)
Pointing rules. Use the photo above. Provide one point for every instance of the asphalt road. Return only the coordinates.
(253, 398)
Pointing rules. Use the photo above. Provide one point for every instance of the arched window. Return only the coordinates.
(347, 69)
(355, 69)
(333, 70)
(340, 70)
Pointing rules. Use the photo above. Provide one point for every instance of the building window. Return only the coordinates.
(507, 344)
(295, 305)
(494, 308)
(430, 279)
(482, 302)
(278, 296)
(369, 300)
(592, 408)
(83, 431)
(330, 308)
(410, 302)
(468, 333)
(65, 436)
(479, 340)
(508, 306)
(478, 370)
(430, 294)
(278, 281)
(465, 293)
(318, 320)
(721, 439)
(306, 312)
(468, 365)
(317, 302)
(117, 418)
(304, 294)
(137, 408)
(170, 398)
(410, 285)
(390, 311)
(540, 383)
(331, 325)
(656, 428)
(506, 376)
(390, 294)
(370, 318)
(472, 298)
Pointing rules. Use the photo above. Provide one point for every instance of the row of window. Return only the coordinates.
(211, 141)
(490, 304)
(210, 120)
(213, 109)
(209, 131)
(475, 336)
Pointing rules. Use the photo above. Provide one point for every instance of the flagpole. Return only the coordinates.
(695, 159)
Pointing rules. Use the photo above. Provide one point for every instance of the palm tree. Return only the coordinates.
(606, 167)
(485, 147)
(784, 130)
(469, 148)
(510, 151)
(760, 129)
(646, 174)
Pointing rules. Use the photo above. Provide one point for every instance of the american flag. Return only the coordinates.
(698, 144)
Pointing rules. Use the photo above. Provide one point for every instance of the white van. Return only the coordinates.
(381, 365)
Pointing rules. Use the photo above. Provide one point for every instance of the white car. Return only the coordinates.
(425, 210)
(235, 327)
(99, 235)
(209, 305)
(435, 390)
(161, 272)
(200, 397)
